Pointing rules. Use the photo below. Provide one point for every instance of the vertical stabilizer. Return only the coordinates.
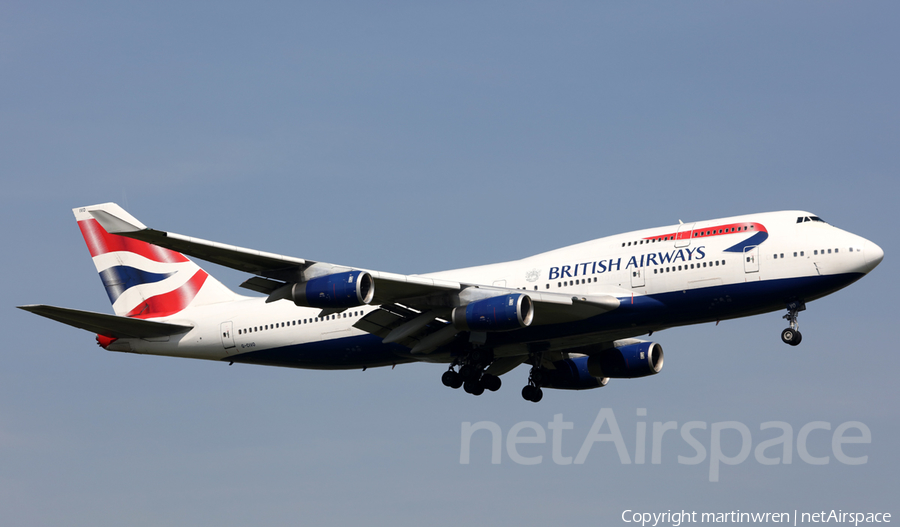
(144, 280)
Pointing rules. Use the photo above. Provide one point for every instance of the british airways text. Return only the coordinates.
(601, 266)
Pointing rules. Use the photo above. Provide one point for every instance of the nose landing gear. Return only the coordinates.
(792, 334)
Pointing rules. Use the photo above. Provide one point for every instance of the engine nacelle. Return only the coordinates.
(339, 290)
(571, 374)
(499, 313)
(627, 362)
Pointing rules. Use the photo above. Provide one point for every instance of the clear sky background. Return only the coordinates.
(412, 138)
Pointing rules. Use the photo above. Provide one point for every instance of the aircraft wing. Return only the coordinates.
(107, 325)
(415, 306)
(273, 270)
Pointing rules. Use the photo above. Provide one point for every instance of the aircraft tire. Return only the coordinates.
(491, 382)
(451, 379)
(473, 387)
(532, 393)
(791, 336)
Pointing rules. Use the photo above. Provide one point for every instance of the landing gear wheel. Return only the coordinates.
(490, 382)
(451, 379)
(473, 387)
(527, 391)
(791, 336)
(532, 393)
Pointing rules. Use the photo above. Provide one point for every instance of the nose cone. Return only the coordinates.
(873, 254)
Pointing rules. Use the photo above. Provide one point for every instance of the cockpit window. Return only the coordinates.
(804, 219)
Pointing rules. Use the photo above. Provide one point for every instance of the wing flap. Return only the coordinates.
(107, 325)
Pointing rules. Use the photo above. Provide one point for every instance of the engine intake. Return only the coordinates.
(499, 313)
(350, 289)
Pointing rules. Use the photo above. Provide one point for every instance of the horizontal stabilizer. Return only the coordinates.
(107, 325)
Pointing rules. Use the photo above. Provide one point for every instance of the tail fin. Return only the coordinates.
(141, 279)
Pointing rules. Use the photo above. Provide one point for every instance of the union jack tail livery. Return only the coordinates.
(141, 279)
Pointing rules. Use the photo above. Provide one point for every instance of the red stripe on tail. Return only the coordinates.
(101, 242)
(172, 302)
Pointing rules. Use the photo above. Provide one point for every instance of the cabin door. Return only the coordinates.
(751, 259)
(227, 335)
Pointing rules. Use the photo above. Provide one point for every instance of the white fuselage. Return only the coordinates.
(680, 268)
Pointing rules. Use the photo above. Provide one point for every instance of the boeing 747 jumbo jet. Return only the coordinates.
(571, 314)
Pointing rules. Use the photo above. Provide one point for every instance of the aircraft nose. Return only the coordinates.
(873, 254)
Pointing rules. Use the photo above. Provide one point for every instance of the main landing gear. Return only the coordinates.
(471, 375)
(532, 391)
(792, 334)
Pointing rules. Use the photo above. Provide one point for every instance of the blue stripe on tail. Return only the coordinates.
(121, 278)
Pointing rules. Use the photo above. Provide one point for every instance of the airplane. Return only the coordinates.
(571, 314)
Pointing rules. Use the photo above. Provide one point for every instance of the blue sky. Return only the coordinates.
(415, 138)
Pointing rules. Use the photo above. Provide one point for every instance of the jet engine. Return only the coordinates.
(593, 371)
(627, 362)
(499, 313)
(339, 290)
